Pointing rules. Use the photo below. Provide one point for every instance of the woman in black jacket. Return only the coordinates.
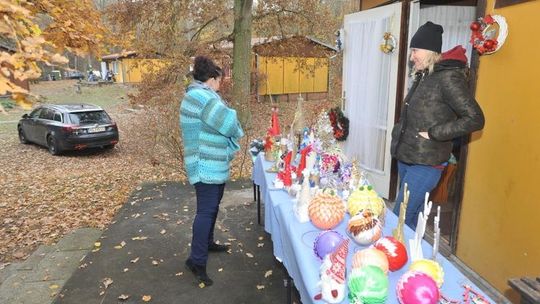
(438, 108)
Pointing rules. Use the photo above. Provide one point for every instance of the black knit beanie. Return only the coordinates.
(428, 37)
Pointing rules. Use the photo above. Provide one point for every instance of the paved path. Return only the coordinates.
(142, 253)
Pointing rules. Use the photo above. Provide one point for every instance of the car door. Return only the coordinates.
(42, 125)
(29, 124)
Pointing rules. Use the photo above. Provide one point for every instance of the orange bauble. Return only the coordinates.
(370, 256)
(326, 211)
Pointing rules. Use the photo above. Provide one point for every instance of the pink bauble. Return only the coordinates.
(395, 252)
(370, 256)
(417, 288)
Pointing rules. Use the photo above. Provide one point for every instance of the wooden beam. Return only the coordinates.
(402, 74)
(503, 3)
(457, 198)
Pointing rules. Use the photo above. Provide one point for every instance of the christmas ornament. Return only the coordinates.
(395, 252)
(275, 129)
(417, 288)
(366, 198)
(368, 285)
(370, 256)
(488, 34)
(398, 231)
(431, 268)
(326, 242)
(388, 44)
(301, 205)
(326, 210)
(364, 228)
(473, 297)
(333, 268)
(340, 124)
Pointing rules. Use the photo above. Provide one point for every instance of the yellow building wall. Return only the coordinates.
(131, 70)
(289, 75)
(274, 75)
(320, 81)
(499, 231)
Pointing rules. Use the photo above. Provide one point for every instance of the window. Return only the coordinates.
(57, 117)
(35, 113)
(91, 117)
(47, 114)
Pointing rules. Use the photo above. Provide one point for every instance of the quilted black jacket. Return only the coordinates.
(441, 104)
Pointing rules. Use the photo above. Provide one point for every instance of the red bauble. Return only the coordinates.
(490, 44)
(475, 26)
(395, 252)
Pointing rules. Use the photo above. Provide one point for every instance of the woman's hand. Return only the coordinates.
(424, 134)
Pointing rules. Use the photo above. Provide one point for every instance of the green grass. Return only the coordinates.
(104, 96)
(58, 92)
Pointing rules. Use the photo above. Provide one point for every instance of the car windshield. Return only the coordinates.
(80, 118)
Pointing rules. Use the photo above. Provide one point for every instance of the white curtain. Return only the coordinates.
(367, 79)
(455, 21)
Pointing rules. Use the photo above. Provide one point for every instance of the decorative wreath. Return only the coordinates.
(388, 44)
(489, 33)
(340, 124)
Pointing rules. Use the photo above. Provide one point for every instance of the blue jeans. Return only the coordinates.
(420, 179)
(208, 198)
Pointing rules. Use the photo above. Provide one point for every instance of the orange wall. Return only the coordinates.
(499, 232)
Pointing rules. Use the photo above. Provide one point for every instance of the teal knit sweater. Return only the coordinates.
(210, 131)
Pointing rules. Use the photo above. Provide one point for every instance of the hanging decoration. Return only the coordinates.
(340, 124)
(488, 34)
(388, 43)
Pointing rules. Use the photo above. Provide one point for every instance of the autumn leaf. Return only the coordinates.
(107, 282)
(268, 273)
(123, 297)
(139, 238)
(146, 298)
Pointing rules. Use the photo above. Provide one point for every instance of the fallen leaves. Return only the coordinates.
(107, 282)
(139, 238)
(134, 260)
(122, 244)
(45, 197)
(146, 298)
(123, 297)
(268, 273)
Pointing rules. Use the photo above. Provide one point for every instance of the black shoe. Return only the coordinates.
(200, 272)
(218, 247)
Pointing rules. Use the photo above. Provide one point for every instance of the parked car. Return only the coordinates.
(74, 75)
(68, 127)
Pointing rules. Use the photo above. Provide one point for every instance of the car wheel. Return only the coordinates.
(22, 137)
(52, 145)
(108, 147)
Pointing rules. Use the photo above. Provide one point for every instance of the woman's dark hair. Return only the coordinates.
(204, 69)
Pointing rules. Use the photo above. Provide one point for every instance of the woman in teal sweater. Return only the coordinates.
(210, 131)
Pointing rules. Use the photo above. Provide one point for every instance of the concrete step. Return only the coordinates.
(40, 278)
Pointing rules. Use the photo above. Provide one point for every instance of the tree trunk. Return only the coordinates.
(242, 59)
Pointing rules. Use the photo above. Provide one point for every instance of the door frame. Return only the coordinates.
(457, 195)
